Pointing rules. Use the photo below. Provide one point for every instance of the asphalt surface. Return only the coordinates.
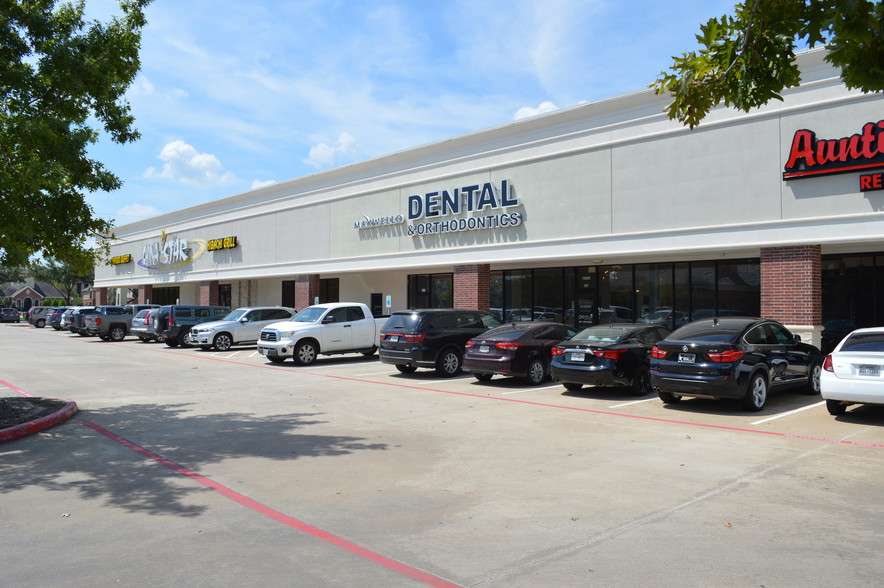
(192, 468)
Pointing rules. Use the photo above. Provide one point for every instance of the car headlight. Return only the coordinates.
(286, 334)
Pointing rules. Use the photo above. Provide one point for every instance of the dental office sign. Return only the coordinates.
(811, 157)
(438, 212)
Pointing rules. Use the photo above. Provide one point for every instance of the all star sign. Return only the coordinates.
(171, 252)
(810, 157)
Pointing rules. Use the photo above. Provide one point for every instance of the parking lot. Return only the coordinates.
(187, 467)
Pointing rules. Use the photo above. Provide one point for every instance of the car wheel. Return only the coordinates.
(813, 382)
(171, 342)
(117, 334)
(756, 393)
(835, 407)
(669, 397)
(40, 324)
(406, 369)
(536, 373)
(641, 383)
(572, 386)
(222, 341)
(205, 347)
(144, 339)
(483, 377)
(182, 339)
(305, 353)
(104, 337)
(448, 363)
(371, 351)
(276, 358)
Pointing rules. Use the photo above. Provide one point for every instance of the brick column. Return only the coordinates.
(791, 289)
(472, 286)
(145, 293)
(306, 290)
(209, 293)
(99, 295)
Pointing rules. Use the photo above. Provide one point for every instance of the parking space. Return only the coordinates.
(221, 466)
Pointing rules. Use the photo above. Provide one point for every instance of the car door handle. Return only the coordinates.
(347, 326)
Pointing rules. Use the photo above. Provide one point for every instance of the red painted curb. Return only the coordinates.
(61, 415)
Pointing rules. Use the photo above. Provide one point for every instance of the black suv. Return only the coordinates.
(433, 338)
(173, 323)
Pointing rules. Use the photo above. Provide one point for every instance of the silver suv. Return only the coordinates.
(241, 327)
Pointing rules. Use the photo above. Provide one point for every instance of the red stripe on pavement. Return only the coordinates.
(344, 544)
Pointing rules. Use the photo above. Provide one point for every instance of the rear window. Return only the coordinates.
(405, 321)
(705, 333)
(509, 331)
(600, 335)
(864, 342)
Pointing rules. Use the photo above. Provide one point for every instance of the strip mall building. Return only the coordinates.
(603, 212)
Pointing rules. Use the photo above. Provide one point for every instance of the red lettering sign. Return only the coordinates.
(810, 156)
(871, 182)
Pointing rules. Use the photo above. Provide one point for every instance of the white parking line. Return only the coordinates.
(634, 402)
(255, 353)
(531, 389)
(782, 414)
(375, 373)
(235, 353)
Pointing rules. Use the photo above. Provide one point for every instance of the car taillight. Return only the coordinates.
(726, 356)
(407, 337)
(469, 344)
(827, 365)
(97, 321)
(658, 353)
(558, 350)
(147, 318)
(609, 353)
(509, 346)
(169, 322)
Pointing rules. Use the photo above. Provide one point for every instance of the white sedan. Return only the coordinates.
(854, 372)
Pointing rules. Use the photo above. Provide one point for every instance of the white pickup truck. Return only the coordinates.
(322, 329)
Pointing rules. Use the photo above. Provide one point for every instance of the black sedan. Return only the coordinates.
(738, 358)
(517, 349)
(607, 355)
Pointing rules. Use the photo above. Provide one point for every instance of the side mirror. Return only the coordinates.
(796, 338)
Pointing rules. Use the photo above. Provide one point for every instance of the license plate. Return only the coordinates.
(868, 370)
(262, 351)
(484, 349)
(687, 357)
(578, 356)
(393, 338)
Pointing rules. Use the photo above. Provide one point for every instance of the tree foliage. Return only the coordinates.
(747, 59)
(63, 276)
(62, 82)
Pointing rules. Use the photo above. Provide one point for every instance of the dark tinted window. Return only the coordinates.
(724, 332)
(440, 321)
(469, 320)
(184, 312)
(601, 335)
(779, 334)
(221, 312)
(354, 313)
(864, 342)
(647, 336)
(276, 314)
(403, 321)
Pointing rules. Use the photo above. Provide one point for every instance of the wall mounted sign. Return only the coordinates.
(219, 244)
(171, 252)
(434, 213)
(809, 156)
(870, 182)
(121, 259)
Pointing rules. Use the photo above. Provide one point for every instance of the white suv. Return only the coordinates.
(241, 327)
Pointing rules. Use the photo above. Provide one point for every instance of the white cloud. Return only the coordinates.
(186, 165)
(135, 212)
(528, 111)
(325, 155)
(261, 184)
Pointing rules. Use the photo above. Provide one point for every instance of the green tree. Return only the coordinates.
(747, 59)
(12, 274)
(62, 82)
(63, 276)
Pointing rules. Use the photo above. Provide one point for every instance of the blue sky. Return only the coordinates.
(236, 95)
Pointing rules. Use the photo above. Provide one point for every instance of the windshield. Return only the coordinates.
(235, 315)
(309, 315)
(599, 335)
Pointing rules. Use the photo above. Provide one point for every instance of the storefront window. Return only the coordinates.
(548, 295)
(431, 291)
(739, 285)
(702, 290)
(517, 290)
(850, 286)
(653, 292)
(616, 294)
